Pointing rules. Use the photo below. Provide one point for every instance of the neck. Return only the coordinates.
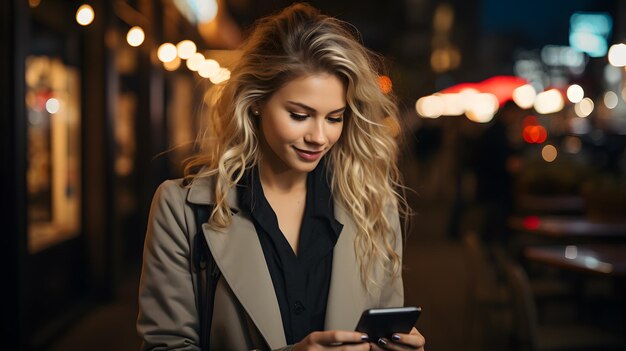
(281, 180)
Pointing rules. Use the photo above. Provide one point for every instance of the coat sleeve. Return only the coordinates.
(392, 294)
(168, 318)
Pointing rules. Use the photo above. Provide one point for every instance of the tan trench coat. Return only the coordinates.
(246, 314)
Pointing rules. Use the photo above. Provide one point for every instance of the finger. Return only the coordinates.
(414, 339)
(338, 337)
(387, 344)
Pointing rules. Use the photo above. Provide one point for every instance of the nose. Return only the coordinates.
(316, 134)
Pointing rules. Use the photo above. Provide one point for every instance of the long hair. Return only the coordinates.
(296, 42)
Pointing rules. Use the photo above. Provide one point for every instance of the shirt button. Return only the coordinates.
(298, 308)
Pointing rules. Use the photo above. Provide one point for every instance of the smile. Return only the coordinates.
(308, 155)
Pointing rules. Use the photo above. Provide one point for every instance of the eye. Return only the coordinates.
(338, 119)
(297, 116)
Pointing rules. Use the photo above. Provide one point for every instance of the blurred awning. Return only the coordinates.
(500, 86)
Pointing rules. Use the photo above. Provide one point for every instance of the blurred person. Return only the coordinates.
(299, 173)
(496, 160)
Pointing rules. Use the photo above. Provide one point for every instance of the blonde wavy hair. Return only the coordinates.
(296, 42)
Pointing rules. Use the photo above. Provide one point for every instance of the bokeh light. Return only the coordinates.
(85, 15)
(223, 74)
(53, 105)
(193, 63)
(167, 52)
(575, 93)
(431, 106)
(524, 96)
(535, 134)
(482, 108)
(549, 101)
(584, 108)
(207, 10)
(617, 55)
(135, 36)
(385, 84)
(185, 49)
(209, 68)
(453, 104)
(549, 153)
(172, 65)
(610, 99)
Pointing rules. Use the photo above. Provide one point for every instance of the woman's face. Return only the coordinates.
(301, 121)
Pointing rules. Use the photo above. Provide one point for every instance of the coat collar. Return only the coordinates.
(239, 256)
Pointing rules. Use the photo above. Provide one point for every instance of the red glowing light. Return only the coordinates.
(532, 222)
(500, 86)
(533, 132)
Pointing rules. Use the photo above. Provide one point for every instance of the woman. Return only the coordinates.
(298, 168)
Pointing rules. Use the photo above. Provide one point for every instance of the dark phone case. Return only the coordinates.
(383, 322)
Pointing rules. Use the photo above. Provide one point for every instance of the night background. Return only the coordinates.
(513, 137)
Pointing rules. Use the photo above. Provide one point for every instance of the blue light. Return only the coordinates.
(589, 32)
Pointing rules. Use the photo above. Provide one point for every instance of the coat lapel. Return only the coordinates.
(239, 256)
(238, 253)
(347, 297)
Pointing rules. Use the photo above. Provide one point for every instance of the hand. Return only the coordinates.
(401, 342)
(335, 340)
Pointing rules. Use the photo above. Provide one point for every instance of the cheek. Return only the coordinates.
(335, 134)
(280, 131)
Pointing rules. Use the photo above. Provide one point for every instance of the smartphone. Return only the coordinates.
(383, 322)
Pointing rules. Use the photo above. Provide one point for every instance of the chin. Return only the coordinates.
(304, 167)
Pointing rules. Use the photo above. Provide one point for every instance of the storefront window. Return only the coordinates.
(53, 172)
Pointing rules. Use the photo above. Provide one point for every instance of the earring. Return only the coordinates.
(256, 112)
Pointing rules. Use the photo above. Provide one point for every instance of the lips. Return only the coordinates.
(308, 154)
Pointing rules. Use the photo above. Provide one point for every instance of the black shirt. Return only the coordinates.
(301, 281)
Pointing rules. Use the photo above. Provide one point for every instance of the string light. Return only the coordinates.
(166, 52)
(85, 15)
(185, 49)
(135, 36)
(193, 63)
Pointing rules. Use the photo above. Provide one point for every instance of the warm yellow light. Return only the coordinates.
(453, 104)
(617, 55)
(431, 106)
(209, 68)
(53, 105)
(549, 101)
(482, 108)
(85, 15)
(584, 108)
(575, 93)
(549, 153)
(166, 52)
(172, 65)
(524, 96)
(135, 36)
(610, 100)
(193, 63)
(34, 3)
(222, 75)
(185, 49)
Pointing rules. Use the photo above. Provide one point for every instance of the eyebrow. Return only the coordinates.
(311, 109)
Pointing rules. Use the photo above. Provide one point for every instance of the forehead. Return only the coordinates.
(321, 91)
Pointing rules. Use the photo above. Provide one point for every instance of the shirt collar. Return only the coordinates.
(251, 198)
